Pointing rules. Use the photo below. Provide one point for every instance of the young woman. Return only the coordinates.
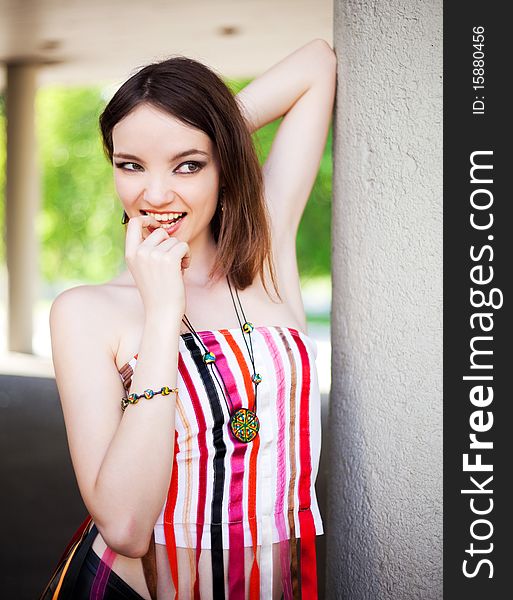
(188, 382)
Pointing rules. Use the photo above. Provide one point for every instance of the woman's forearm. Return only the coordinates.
(134, 477)
(273, 93)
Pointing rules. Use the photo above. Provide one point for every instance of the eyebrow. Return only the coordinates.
(175, 157)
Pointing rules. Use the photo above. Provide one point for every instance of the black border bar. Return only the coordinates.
(478, 261)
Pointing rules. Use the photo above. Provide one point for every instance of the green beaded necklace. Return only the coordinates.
(244, 423)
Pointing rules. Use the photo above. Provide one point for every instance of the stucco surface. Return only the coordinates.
(384, 534)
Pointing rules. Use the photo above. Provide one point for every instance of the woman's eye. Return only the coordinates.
(186, 168)
(123, 165)
(191, 166)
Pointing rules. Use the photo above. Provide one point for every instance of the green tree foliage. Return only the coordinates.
(79, 226)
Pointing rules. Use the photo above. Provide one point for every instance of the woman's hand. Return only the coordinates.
(157, 262)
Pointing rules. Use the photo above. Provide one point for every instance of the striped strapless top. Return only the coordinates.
(229, 495)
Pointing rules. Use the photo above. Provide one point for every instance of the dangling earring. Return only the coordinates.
(124, 219)
(221, 194)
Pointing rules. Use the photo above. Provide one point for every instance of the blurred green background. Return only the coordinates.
(81, 237)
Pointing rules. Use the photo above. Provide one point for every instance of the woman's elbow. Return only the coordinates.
(325, 49)
(324, 59)
(126, 541)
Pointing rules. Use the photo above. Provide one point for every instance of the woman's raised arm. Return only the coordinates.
(301, 88)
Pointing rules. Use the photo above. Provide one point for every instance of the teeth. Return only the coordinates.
(172, 222)
(166, 216)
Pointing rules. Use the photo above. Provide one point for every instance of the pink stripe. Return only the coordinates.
(203, 457)
(304, 428)
(102, 574)
(281, 463)
(235, 506)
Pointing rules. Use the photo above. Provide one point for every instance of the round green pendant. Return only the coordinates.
(244, 425)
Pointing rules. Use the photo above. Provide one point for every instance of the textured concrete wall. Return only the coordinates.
(384, 534)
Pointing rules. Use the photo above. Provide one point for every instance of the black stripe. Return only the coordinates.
(216, 532)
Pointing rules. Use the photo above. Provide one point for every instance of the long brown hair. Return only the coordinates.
(192, 93)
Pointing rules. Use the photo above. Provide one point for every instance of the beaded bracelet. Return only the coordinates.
(134, 398)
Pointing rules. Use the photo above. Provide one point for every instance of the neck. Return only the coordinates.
(203, 253)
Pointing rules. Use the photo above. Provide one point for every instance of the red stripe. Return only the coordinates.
(169, 530)
(308, 560)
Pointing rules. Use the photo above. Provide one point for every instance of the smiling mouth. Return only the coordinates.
(166, 218)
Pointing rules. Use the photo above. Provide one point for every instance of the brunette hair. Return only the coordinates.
(194, 94)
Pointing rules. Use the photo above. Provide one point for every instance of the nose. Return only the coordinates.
(158, 193)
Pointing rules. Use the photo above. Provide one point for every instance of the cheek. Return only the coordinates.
(125, 187)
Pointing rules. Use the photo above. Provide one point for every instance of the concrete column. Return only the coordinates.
(22, 204)
(384, 529)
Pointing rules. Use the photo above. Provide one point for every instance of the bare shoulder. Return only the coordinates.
(89, 309)
(83, 297)
(108, 317)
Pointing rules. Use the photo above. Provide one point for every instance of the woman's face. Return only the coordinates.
(165, 168)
